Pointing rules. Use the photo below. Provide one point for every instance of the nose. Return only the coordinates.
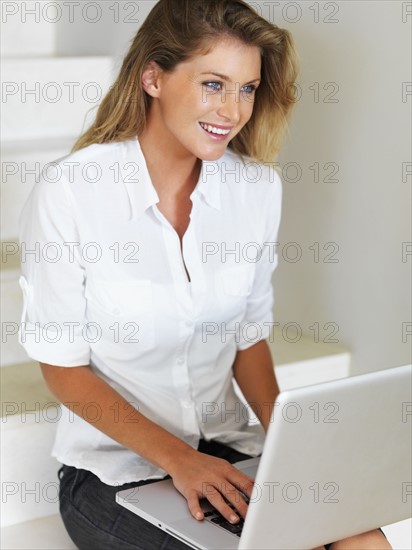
(229, 107)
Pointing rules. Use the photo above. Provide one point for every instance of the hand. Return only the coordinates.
(197, 475)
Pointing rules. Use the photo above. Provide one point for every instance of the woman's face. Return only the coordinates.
(201, 106)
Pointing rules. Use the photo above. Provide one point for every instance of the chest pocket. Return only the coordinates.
(122, 314)
(234, 285)
(238, 280)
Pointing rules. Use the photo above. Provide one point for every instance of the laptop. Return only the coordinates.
(337, 461)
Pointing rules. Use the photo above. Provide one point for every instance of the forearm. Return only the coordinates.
(254, 372)
(79, 386)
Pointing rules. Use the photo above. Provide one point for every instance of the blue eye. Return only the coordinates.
(250, 89)
(213, 86)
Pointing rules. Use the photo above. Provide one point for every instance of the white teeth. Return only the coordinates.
(214, 130)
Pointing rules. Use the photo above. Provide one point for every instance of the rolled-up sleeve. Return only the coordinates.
(53, 324)
(258, 320)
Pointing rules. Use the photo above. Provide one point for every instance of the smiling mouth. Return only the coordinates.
(214, 130)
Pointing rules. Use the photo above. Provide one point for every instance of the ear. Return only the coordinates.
(151, 79)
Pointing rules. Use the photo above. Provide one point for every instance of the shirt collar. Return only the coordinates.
(136, 179)
(209, 183)
(141, 192)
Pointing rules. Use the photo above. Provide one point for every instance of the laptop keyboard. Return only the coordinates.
(216, 517)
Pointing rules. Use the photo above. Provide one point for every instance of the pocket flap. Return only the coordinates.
(238, 280)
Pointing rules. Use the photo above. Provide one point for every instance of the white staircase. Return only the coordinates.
(48, 100)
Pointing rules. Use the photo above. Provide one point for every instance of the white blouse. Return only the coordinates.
(105, 284)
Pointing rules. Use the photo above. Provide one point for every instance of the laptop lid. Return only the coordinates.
(337, 462)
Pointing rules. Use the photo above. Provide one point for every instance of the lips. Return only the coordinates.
(215, 130)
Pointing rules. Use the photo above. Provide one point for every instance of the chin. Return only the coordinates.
(212, 155)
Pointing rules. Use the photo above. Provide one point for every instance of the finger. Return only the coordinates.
(242, 482)
(231, 494)
(194, 506)
(217, 501)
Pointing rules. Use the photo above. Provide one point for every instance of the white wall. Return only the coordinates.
(367, 213)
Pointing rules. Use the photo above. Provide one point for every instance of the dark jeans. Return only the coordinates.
(94, 521)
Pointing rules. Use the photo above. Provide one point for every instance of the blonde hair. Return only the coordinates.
(176, 30)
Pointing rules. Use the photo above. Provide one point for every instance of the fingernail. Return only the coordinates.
(199, 515)
(233, 518)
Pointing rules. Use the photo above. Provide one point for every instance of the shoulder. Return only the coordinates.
(247, 176)
(82, 170)
(98, 155)
(62, 178)
(254, 189)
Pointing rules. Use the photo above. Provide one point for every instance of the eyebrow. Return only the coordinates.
(226, 78)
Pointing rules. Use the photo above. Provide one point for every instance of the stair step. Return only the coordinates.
(47, 533)
(50, 97)
(29, 472)
(25, 34)
(11, 308)
(32, 28)
(301, 360)
(38, 146)
(24, 389)
(29, 415)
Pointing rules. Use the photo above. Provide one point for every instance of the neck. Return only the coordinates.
(172, 169)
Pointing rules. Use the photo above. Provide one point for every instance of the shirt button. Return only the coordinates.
(187, 404)
(189, 323)
(181, 360)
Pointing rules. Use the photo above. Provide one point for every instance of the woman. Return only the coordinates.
(145, 314)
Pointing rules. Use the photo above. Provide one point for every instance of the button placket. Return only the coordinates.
(178, 262)
(179, 256)
(194, 262)
(189, 416)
